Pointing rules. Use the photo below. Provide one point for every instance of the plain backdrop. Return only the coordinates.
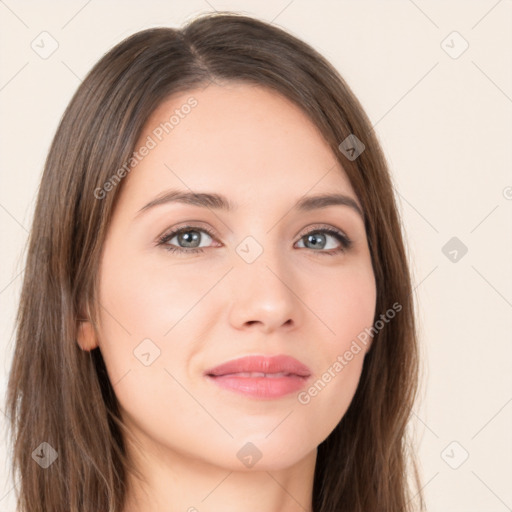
(436, 81)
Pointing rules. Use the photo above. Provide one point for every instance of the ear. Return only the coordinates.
(86, 336)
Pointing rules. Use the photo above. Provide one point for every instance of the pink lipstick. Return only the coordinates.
(260, 376)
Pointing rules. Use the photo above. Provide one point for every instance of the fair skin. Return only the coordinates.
(201, 309)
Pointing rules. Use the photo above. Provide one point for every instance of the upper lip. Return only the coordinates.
(262, 364)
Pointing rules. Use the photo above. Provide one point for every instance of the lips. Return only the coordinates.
(261, 377)
(260, 366)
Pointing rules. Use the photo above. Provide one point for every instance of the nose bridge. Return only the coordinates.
(261, 255)
(263, 284)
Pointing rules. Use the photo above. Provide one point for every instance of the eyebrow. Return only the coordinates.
(220, 202)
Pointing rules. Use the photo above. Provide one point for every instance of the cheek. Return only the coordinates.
(146, 343)
(152, 317)
(347, 309)
(148, 300)
(345, 304)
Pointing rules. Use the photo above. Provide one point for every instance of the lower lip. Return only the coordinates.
(261, 387)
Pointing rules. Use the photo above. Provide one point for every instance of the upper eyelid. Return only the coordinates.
(186, 227)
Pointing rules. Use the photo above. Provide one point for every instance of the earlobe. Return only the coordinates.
(86, 337)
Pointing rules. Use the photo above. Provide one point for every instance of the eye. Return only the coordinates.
(189, 236)
(319, 240)
(188, 239)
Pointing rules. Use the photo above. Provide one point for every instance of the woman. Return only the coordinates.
(216, 310)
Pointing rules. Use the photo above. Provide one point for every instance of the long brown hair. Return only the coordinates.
(61, 395)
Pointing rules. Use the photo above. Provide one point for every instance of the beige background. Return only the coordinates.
(445, 125)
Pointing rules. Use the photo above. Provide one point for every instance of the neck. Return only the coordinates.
(176, 483)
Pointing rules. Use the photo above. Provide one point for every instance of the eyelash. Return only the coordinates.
(345, 242)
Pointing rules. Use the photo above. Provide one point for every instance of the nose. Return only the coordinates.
(264, 295)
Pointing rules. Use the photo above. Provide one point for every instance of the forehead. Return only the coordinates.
(248, 141)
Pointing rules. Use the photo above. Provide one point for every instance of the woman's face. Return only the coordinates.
(256, 283)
